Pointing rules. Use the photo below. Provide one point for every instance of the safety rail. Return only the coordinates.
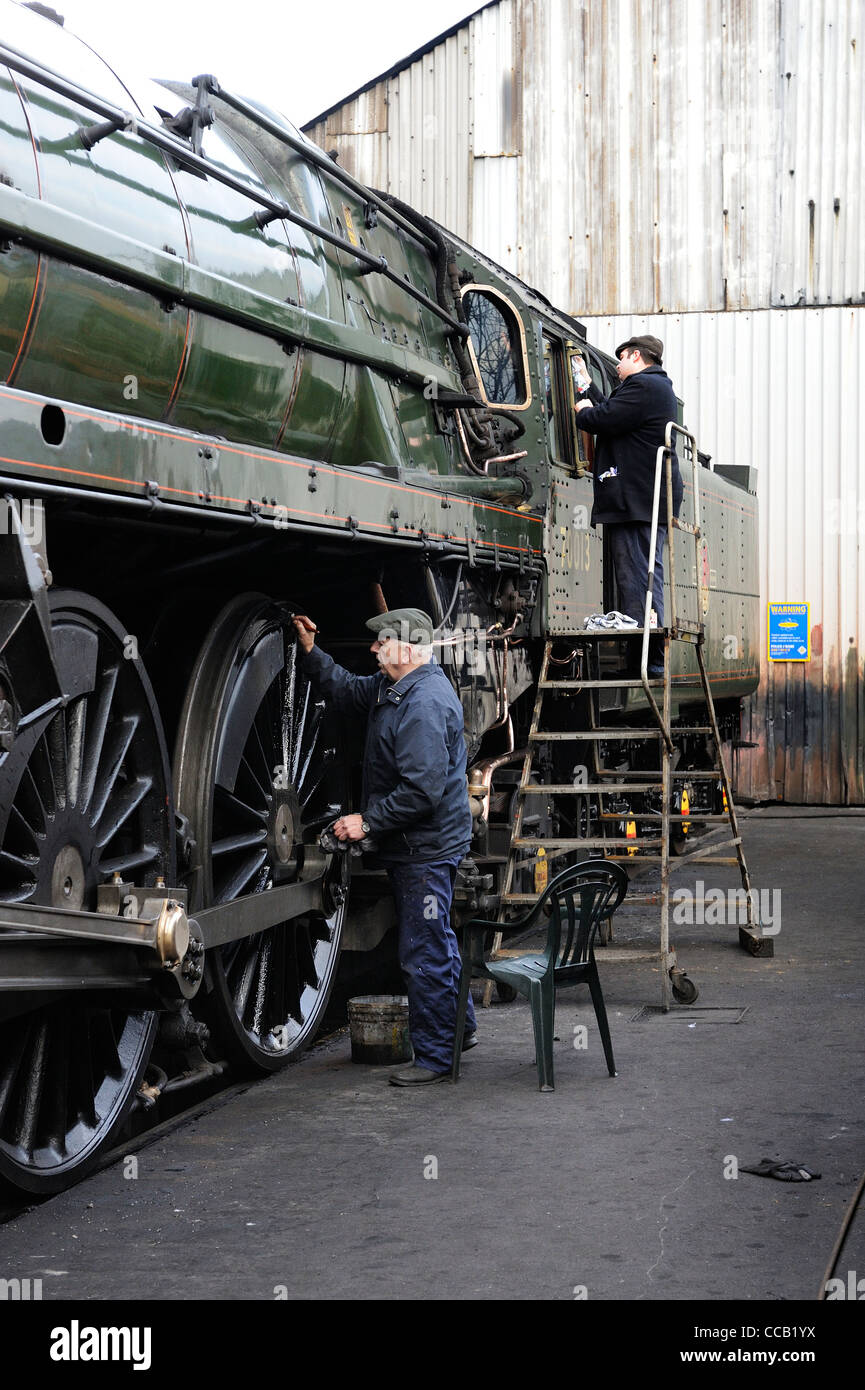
(664, 457)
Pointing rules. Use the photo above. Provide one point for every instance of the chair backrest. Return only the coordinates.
(580, 898)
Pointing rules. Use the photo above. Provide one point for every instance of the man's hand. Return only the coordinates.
(349, 827)
(583, 405)
(305, 629)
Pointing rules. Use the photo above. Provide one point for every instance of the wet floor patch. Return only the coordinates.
(701, 1014)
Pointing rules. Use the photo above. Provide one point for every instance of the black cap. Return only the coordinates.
(646, 344)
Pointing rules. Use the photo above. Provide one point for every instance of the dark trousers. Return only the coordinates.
(429, 958)
(629, 548)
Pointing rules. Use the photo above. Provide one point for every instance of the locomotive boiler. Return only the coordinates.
(237, 384)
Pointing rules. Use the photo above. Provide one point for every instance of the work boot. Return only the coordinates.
(418, 1076)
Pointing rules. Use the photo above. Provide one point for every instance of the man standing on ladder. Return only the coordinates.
(630, 426)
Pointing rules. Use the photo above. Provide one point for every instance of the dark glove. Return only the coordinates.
(332, 845)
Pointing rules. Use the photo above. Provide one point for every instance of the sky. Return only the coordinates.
(300, 58)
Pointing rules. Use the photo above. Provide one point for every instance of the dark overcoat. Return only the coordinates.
(415, 798)
(630, 425)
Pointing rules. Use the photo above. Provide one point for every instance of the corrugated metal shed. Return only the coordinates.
(693, 167)
(691, 154)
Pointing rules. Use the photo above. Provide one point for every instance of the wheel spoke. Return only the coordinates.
(55, 1111)
(232, 843)
(95, 733)
(104, 1042)
(134, 859)
(120, 807)
(83, 1088)
(30, 800)
(231, 808)
(21, 829)
(76, 729)
(241, 876)
(244, 974)
(117, 744)
(14, 1045)
(55, 741)
(28, 1120)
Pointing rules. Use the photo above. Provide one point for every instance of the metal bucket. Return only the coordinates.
(379, 1029)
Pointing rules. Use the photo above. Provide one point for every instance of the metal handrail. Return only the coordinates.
(665, 455)
(120, 120)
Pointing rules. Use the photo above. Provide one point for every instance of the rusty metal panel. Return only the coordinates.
(684, 156)
(782, 390)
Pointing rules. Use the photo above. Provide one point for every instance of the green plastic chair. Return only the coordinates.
(579, 899)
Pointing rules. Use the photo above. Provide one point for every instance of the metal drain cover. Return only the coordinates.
(690, 1014)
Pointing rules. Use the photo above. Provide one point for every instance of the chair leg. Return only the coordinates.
(601, 1015)
(462, 1010)
(542, 997)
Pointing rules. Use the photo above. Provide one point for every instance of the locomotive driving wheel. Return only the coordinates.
(258, 775)
(84, 793)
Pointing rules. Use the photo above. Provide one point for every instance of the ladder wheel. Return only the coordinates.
(684, 990)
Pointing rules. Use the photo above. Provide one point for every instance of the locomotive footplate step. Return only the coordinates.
(643, 812)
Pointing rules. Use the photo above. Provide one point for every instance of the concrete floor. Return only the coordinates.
(312, 1184)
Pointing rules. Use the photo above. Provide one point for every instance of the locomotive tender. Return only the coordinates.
(235, 385)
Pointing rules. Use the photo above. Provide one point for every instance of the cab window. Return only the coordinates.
(580, 362)
(556, 403)
(497, 346)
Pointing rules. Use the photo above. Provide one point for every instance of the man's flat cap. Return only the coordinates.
(647, 345)
(404, 624)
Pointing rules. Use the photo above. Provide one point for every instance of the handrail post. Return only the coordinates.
(696, 529)
(650, 588)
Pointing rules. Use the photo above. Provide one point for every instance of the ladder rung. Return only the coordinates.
(639, 858)
(617, 772)
(544, 736)
(589, 843)
(703, 855)
(658, 816)
(612, 684)
(679, 862)
(589, 788)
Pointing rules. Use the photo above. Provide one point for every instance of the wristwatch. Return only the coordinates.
(364, 825)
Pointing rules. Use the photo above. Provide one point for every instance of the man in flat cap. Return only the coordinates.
(416, 808)
(630, 426)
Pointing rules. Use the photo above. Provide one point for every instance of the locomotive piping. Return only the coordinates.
(186, 156)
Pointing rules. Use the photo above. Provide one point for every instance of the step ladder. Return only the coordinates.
(581, 676)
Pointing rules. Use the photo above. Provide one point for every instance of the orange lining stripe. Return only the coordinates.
(241, 502)
(294, 463)
(182, 364)
(25, 336)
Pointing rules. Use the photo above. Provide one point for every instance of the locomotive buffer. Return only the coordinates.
(606, 784)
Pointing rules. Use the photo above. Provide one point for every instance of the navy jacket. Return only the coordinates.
(415, 798)
(630, 425)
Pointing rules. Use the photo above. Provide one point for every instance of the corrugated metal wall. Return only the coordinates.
(698, 162)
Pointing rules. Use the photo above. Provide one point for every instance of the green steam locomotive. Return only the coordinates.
(237, 384)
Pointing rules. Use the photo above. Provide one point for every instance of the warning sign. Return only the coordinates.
(789, 631)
